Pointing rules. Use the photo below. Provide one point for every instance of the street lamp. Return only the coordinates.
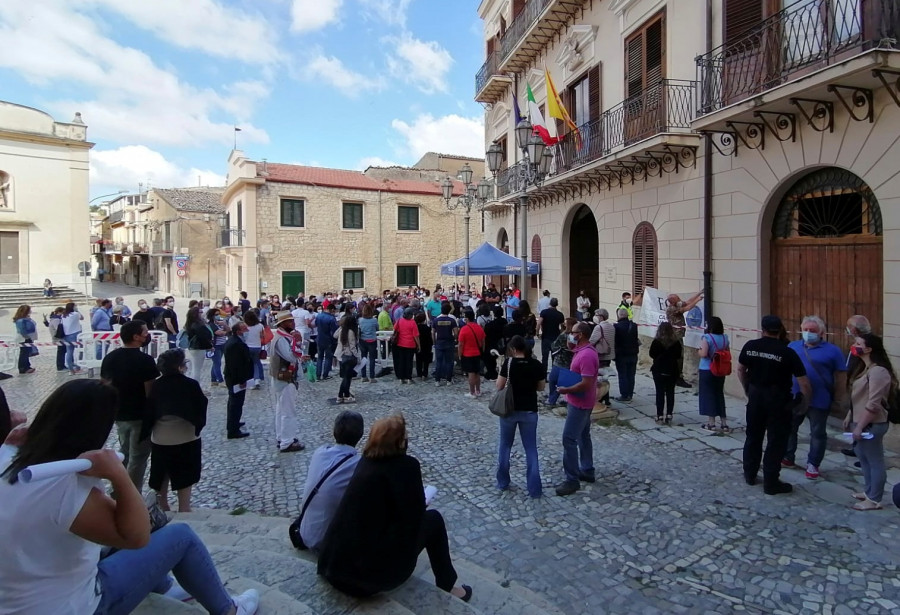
(474, 196)
(534, 168)
(103, 196)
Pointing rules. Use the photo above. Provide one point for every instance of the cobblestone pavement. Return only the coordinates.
(669, 526)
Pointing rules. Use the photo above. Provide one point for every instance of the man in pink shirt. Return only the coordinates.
(578, 450)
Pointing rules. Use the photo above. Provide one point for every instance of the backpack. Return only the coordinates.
(182, 340)
(158, 324)
(720, 363)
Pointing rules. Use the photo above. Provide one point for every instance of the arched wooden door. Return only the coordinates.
(827, 253)
(584, 258)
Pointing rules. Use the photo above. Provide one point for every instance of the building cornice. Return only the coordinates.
(30, 137)
(239, 184)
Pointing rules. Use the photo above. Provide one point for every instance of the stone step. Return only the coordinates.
(265, 541)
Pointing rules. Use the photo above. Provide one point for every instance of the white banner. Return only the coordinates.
(653, 312)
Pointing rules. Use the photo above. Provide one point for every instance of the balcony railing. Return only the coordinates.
(805, 36)
(520, 25)
(667, 106)
(488, 69)
(160, 247)
(231, 237)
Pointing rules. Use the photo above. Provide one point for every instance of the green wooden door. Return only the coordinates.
(293, 283)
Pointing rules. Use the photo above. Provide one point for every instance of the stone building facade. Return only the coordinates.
(44, 216)
(297, 229)
(743, 147)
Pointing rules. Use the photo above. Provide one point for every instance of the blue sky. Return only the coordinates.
(336, 83)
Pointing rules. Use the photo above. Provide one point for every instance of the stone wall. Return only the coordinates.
(323, 250)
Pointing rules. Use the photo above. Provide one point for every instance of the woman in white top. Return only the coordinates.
(71, 324)
(52, 530)
(253, 339)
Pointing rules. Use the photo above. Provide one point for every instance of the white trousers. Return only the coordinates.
(286, 429)
(198, 363)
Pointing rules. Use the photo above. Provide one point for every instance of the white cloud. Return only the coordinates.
(332, 71)
(375, 161)
(422, 63)
(449, 134)
(310, 15)
(132, 99)
(209, 26)
(126, 167)
(391, 12)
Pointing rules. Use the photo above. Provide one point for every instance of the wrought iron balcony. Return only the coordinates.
(231, 237)
(521, 23)
(806, 36)
(532, 29)
(490, 82)
(665, 107)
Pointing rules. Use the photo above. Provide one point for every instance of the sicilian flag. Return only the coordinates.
(547, 132)
(555, 109)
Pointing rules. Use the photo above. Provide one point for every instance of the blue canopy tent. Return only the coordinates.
(488, 260)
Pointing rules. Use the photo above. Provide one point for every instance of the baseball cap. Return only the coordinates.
(771, 323)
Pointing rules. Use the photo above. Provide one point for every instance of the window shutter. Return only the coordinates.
(655, 53)
(740, 16)
(594, 92)
(634, 65)
(644, 257)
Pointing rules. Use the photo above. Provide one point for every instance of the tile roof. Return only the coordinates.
(203, 201)
(339, 178)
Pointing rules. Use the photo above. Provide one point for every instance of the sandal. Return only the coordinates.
(708, 427)
(726, 429)
(867, 504)
(659, 419)
(860, 496)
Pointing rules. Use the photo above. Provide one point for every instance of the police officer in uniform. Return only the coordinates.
(765, 369)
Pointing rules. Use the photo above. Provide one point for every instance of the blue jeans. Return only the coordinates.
(578, 450)
(215, 372)
(553, 395)
(70, 341)
(325, 352)
(626, 367)
(527, 423)
(818, 437)
(258, 372)
(871, 461)
(128, 576)
(443, 364)
(369, 351)
(545, 353)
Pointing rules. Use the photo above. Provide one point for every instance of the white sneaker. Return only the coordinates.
(177, 592)
(469, 395)
(247, 603)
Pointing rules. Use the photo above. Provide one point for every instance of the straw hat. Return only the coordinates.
(282, 317)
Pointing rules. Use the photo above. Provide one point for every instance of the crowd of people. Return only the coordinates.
(367, 516)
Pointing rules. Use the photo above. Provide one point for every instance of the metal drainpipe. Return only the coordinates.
(707, 195)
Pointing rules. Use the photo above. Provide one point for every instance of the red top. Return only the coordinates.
(471, 337)
(407, 332)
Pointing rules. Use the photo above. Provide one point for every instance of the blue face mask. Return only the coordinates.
(809, 337)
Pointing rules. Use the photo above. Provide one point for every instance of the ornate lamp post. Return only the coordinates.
(531, 171)
(475, 196)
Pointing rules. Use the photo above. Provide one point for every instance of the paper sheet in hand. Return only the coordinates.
(43, 471)
(430, 492)
(567, 378)
(865, 435)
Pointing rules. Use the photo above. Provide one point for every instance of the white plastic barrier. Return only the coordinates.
(9, 354)
(93, 347)
(159, 343)
(384, 338)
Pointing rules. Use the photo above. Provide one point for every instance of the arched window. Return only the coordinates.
(643, 254)
(535, 257)
(503, 240)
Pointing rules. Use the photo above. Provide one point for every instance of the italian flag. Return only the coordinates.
(547, 132)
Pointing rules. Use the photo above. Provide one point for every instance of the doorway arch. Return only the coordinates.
(583, 257)
(502, 281)
(826, 253)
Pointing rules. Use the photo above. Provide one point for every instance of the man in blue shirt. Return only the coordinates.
(444, 329)
(326, 325)
(512, 303)
(827, 373)
(320, 507)
(433, 307)
(100, 321)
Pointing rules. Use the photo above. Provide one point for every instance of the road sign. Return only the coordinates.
(181, 264)
(181, 272)
(181, 257)
(84, 266)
